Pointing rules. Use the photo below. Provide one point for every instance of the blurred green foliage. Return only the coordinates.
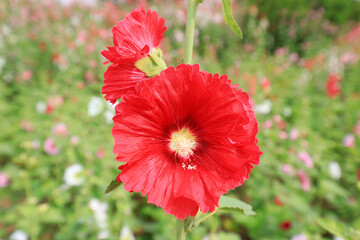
(52, 74)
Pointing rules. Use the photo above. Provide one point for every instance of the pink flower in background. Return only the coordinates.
(249, 47)
(49, 108)
(281, 51)
(265, 84)
(4, 180)
(294, 134)
(56, 101)
(349, 140)
(349, 58)
(100, 153)
(35, 144)
(306, 158)
(50, 147)
(74, 140)
(300, 236)
(277, 118)
(268, 124)
(304, 180)
(357, 128)
(26, 75)
(60, 129)
(283, 135)
(279, 122)
(288, 170)
(293, 57)
(354, 34)
(26, 126)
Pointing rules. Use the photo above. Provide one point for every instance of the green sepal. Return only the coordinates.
(114, 184)
(227, 203)
(153, 64)
(229, 19)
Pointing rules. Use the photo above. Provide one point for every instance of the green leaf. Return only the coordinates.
(227, 203)
(229, 19)
(331, 226)
(112, 186)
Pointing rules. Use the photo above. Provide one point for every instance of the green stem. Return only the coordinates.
(206, 217)
(190, 27)
(180, 229)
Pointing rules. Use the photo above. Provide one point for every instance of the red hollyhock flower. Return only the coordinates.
(134, 37)
(186, 138)
(332, 85)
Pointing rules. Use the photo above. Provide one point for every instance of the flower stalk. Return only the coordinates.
(180, 229)
(190, 28)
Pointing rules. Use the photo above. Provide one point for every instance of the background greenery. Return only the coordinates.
(51, 70)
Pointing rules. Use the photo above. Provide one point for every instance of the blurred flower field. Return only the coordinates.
(56, 145)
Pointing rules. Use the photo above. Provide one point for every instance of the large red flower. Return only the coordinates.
(134, 37)
(186, 138)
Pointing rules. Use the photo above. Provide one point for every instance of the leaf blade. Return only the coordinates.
(232, 203)
(229, 18)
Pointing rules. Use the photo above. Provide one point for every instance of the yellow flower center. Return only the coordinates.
(183, 143)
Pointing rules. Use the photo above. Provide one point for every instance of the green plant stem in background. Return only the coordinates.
(180, 229)
(190, 27)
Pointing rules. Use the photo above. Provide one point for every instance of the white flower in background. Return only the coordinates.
(108, 115)
(18, 235)
(2, 63)
(8, 77)
(300, 236)
(95, 106)
(86, 2)
(337, 238)
(6, 30)
(73, 176)
(110, 112)
(305, 77)
(103, 234)
(264, 107)
(126, 233)
(334, 170)
(100, 215)
(179, 36)
(286, 112)
(41, 107)
(334, 64)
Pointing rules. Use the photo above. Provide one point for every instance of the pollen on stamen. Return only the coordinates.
(183, 143)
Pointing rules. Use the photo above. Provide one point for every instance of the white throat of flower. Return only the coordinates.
(183, 143)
